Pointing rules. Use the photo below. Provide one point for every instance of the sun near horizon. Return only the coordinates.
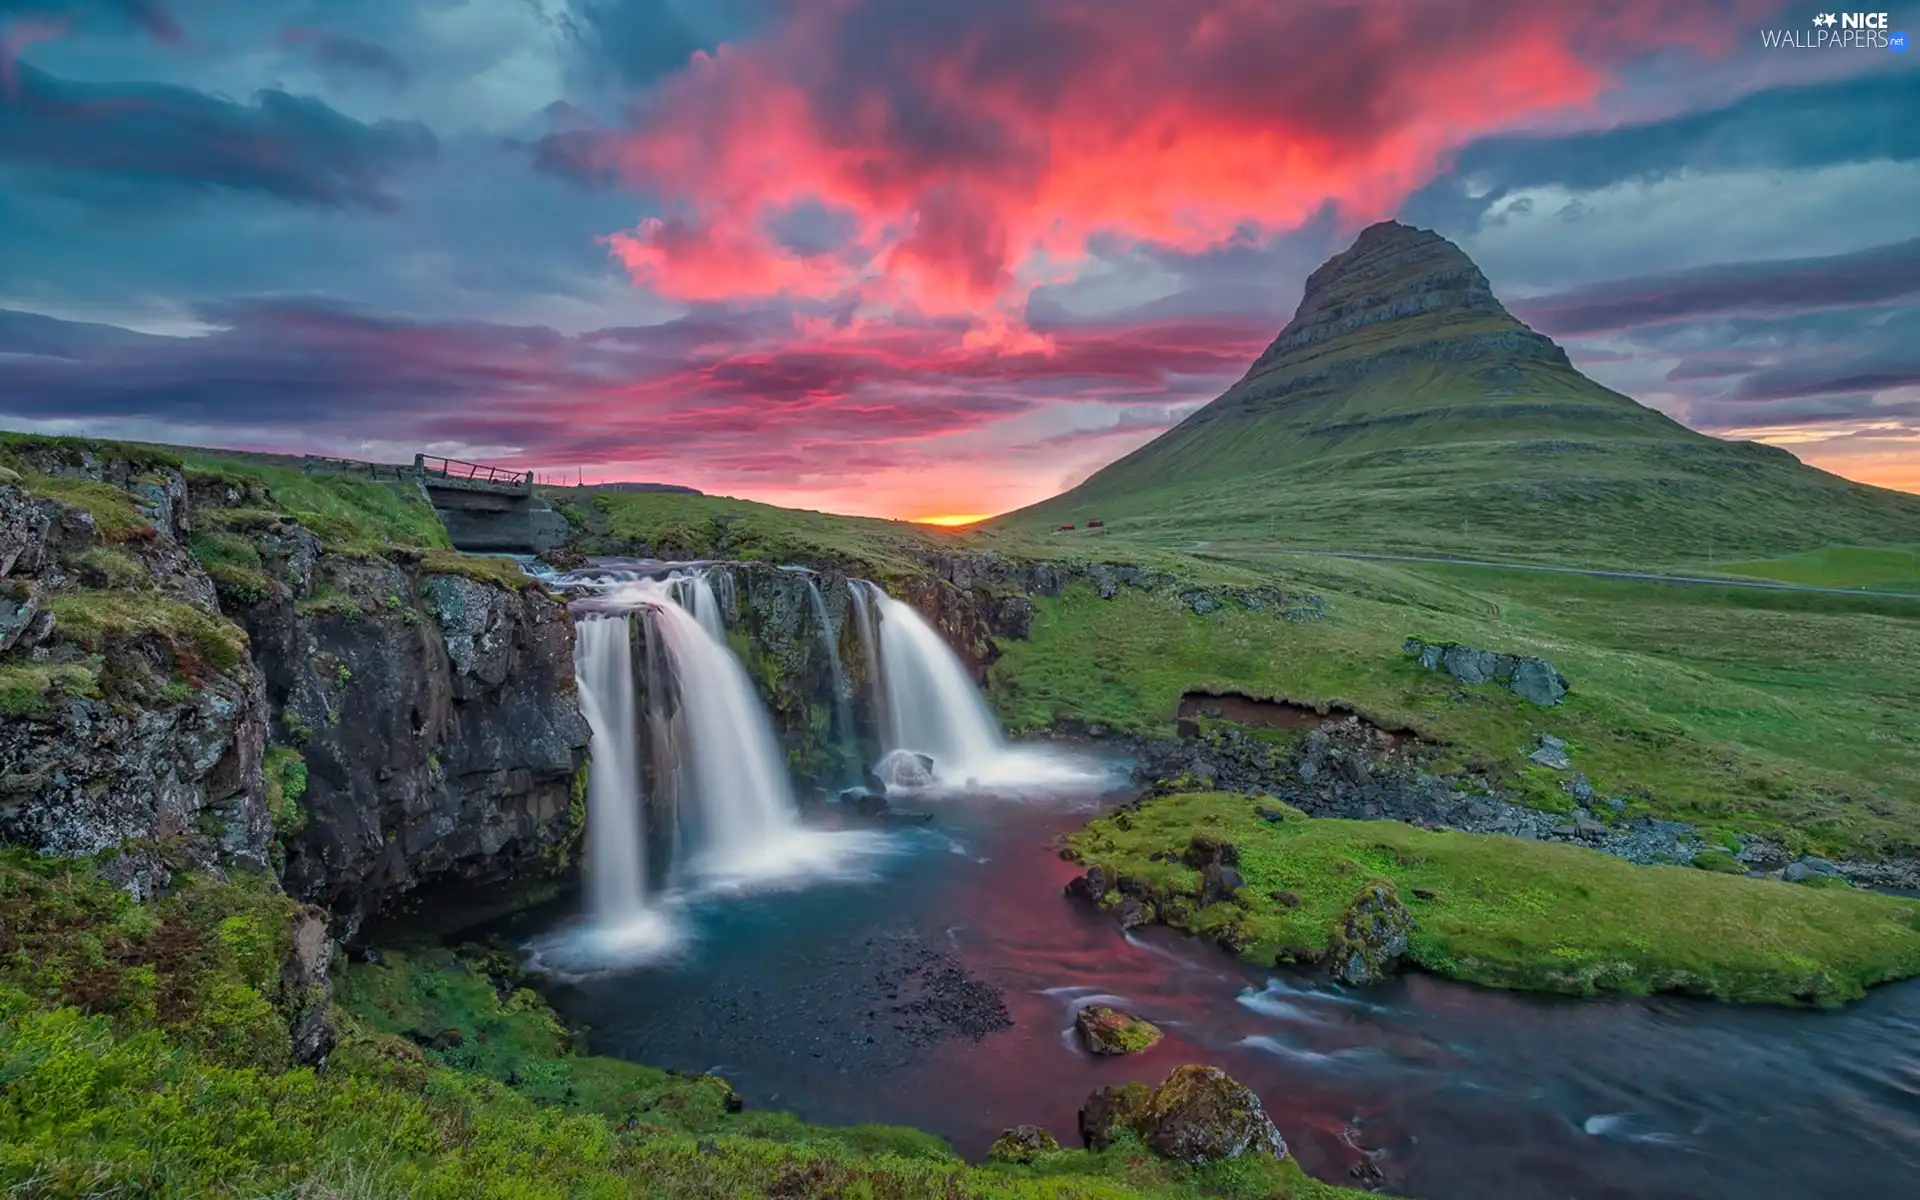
(951, 520)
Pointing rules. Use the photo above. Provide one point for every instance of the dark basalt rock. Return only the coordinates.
(1205, 850)
(1533, 679)
(1219, 883)
(1109, 1031)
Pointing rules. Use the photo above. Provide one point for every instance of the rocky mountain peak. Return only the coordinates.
(1395, 283)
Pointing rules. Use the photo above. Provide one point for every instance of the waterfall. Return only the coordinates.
(695, 593)
(931, 706)
(616, 850)
(862, 594)
(842, 717)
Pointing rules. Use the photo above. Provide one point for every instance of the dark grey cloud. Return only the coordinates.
(151, 16)
(1860, 119)
(345, 54)
(1871, 276)
(291, 147)
(635, 42)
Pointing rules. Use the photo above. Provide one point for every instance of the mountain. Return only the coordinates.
(1405, 409)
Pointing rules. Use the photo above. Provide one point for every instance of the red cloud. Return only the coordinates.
(976, 149)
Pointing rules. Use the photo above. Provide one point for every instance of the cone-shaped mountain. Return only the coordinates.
(1404, 409)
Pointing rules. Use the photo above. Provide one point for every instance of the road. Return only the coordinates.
(1644, 576)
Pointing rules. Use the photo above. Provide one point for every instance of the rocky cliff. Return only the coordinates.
(193, 677)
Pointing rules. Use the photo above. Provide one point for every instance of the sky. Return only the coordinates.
(911, 258)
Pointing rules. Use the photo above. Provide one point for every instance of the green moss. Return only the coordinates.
(1110, 1031)
(221, 547)
(284, 773)
(500, 572)
(332, 601)
(1510, 913)
(101, 620)
(1717, 860)
(30, 689)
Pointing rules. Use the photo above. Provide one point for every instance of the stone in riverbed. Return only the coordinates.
(1131, 913)
(1199, 1115)
(1371, 935)
(905, 769)
(1090, 886)
(1021, 1144)
(1110, 1031)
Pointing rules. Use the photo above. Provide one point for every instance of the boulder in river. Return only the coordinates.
(1371, 935)
(1110, 1031)
(1199, 1115)
(1021, 1144)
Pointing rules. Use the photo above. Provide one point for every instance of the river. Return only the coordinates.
(1452, 1092)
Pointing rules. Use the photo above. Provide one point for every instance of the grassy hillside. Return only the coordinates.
(1404, 410)
(1795, 715)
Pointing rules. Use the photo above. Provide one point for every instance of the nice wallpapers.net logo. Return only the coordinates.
(1838, 31)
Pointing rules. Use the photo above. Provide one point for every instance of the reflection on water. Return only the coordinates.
(1455, 1091)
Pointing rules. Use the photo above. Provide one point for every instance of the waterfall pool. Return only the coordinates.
(871, 998)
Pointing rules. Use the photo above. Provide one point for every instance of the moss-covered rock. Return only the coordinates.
(1199, 1115)
(1021, 1144)
(1202, 1115)
(1371, 935)
(1112, 1112)
(1110, 1031)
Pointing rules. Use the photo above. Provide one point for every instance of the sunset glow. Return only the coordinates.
(953, 521)
(892, 258)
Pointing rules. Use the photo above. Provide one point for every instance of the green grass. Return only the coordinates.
(1883, 569)
(1789, 714)
(284, 773)
(144, 1051)
(30, 689)
(500, 572)
(1516, 914)
(100, 620)
(349, 514)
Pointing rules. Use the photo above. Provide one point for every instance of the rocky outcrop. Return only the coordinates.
(165, 631)
(133, 724)
(1199, 1115)
(1532, 679)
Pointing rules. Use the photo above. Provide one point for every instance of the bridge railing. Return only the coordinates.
(471, 472)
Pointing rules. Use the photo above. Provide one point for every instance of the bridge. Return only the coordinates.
(488, 509)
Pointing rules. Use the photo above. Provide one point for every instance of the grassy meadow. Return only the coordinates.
(1509, 913)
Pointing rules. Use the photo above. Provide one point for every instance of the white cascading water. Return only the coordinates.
(695, 593)
(931, 705)
(731, 772)
(616, 845)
